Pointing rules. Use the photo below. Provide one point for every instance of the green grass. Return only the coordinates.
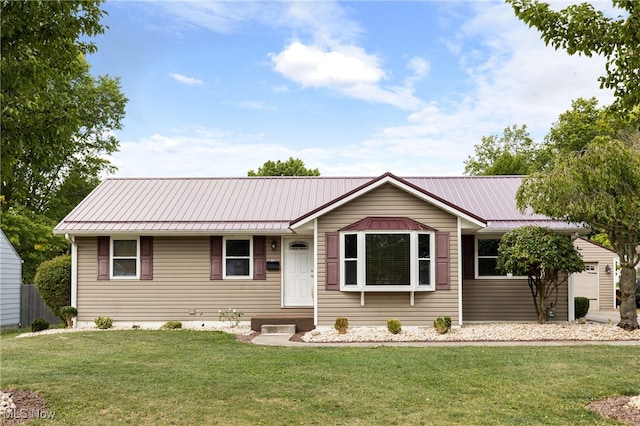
(182, 377)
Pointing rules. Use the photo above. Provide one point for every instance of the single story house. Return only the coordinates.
(149, 250)
(10, 281)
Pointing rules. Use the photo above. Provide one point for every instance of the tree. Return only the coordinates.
(514, 153)
(545, 257)
(599, 186)
(31, 234)
(57, 120)
(56, 117)
(53, 281)
(581, 29)
(291, 167)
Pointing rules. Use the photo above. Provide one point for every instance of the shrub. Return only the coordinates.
(581, 306)
(341, 325)
(394, 326)
(67, 313)
(171, 325)
(53, 282)
(231, 315)
(39, 324)
(103, 322)
(442, 325)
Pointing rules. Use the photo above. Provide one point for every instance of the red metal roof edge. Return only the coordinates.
(379, 178)
(371, 223)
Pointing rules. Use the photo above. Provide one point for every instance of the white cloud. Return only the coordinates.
(346, 68)
(189, 81)
(420, 68)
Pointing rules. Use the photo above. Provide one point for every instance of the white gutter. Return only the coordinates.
(74, 270)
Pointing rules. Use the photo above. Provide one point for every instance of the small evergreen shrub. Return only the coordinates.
(39, 324)
(342, 324)
(53, 282)
(442, 325)
(103, 322)
(581, 306)
(67, 313)
(171, 325)
(394, 326)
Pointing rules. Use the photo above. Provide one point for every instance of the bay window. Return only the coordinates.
(387, 261)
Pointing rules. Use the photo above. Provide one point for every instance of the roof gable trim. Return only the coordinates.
(397, 182)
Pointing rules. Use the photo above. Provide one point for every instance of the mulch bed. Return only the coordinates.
(617, 409)
(29, 405)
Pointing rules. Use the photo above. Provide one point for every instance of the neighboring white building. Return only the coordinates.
(10, 281)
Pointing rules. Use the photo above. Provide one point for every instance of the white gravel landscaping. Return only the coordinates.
(480, 333)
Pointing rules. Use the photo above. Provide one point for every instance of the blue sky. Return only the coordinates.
(351, 88)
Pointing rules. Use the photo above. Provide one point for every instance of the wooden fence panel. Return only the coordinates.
(32, 306)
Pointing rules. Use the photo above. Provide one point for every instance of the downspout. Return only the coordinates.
(315, 272)
(459, 273)
(571, 311)
(74, 271)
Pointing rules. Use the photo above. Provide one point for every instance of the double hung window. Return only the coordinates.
(125, 256)
(237, 258)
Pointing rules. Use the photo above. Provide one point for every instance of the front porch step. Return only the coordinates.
(302, 322)
(278, 329)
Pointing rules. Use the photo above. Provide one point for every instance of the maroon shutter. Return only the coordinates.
(259, 258)
(468, 257)
(442, 261)
(332, 241)
(146, 258)
(216, 258)
(103, 258)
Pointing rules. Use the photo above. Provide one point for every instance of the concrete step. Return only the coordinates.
(278, 329)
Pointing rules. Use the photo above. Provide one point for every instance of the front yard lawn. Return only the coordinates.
(186, 377)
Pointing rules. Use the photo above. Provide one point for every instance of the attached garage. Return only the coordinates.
(597, 282)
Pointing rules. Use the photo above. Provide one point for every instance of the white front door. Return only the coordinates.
(298, 272)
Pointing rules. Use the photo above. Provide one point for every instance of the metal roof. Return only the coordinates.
(266, 204)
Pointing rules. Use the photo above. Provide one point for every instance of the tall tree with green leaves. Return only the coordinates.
(291, 167)
(582, 29)
(599, 186)
(545, 258)
(513, 153)
(57, 119)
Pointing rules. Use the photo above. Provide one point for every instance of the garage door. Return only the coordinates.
(585, 284)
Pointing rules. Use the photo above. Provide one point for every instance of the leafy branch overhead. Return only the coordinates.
(582, 29)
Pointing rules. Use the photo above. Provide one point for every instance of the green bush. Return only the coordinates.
(581, 305)
(442, 325)
(341, 325)
(103, 322)
(171, 325)
(53, 281)
(39, 324)
(67, 313)
(394, 326)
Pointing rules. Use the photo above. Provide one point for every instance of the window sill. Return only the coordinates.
(387, 288)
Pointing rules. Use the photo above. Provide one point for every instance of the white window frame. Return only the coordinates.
(508, 276)
(224, 258)
(112, 258)
(413, 263)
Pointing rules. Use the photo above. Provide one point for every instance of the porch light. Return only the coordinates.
(607, 269)
(274, 245)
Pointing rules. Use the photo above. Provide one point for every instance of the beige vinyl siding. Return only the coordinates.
(606, 287)
(504, 300)
(180, 283)
(387, 200)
